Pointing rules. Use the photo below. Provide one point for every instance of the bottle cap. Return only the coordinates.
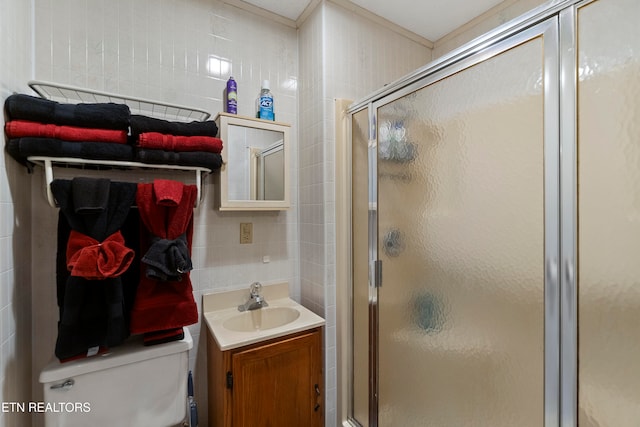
(265, 84)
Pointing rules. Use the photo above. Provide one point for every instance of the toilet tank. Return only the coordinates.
(131, 385)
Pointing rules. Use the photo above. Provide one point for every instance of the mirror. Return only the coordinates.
(255, 172)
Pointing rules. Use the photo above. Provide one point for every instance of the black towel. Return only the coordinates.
(161, 337)
(22, 148)
(101, 115)
(167, 260)
(93, 313)
(211, 161)
(90, 196)
(141, 124)
(98, 224)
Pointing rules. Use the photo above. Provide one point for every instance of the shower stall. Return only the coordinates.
(495, 230)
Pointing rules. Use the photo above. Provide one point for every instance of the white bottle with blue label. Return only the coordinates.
(265, 103)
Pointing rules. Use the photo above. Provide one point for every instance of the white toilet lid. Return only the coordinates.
(131, 351)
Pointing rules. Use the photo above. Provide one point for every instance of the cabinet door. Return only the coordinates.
(279, 384)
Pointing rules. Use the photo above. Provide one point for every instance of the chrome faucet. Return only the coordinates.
(256, 300)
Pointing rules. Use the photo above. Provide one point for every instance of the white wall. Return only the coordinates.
(163, 50)
(15, 267)
(342, 55)
(493, 18)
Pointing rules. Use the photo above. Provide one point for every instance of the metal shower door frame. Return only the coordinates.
(556, 20)
(547, 29)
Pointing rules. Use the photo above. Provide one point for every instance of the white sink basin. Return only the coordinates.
(232, 329)
(261, 319)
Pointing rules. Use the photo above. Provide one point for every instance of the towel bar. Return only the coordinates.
(48, 164)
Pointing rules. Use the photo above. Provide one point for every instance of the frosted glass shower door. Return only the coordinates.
(461, 235)
(609, 213)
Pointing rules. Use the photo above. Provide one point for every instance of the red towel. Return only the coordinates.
(88, 258)
(166, 211)
(25, 128)
(161, 141)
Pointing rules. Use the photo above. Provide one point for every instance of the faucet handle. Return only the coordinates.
(256, 288)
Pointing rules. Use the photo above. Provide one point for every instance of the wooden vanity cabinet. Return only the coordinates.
(275, 383)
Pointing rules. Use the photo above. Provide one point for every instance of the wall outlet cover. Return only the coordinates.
(246, 232)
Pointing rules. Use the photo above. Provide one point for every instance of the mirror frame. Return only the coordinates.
(223, 121)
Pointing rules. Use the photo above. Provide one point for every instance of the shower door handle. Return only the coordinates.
(375, 273)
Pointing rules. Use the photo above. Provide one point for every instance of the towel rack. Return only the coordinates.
(162, 110)
(48, 164)
(73, 95)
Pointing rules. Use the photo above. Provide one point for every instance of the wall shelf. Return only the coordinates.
(48, 163)
(161, 110)
(74, 95)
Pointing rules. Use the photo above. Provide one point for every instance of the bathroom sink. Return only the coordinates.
(261, 319)
(231, 328)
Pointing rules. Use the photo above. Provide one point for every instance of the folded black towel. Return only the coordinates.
(168, 260)
(101, 116)
(202, 159)
(141, 124)
(22, 148)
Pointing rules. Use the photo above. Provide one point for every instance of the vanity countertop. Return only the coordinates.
(220, 307)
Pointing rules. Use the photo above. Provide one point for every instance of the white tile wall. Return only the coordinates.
(499, 15)
(178, 51)
(15, 267)
(342, 55)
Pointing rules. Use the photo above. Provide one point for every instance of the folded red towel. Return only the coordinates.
(88, 258)
(25, 128)
(161, 141)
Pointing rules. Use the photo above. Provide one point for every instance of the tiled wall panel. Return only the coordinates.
(342, 55)
(177, 51)
(15, 234)
(499, 15)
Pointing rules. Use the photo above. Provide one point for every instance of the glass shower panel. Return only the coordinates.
(461, 239)
(609, 214)
(360, 256)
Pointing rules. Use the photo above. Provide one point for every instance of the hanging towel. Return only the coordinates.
(161, 141)
(141, 124)
(211, 161)
(92, 310)
(161, 337)
(167, 260)
(166, 212)
(94, 260)
(90, 196)
(21, 128)
(101, 115)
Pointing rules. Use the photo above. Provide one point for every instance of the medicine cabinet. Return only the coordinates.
(255, 170)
